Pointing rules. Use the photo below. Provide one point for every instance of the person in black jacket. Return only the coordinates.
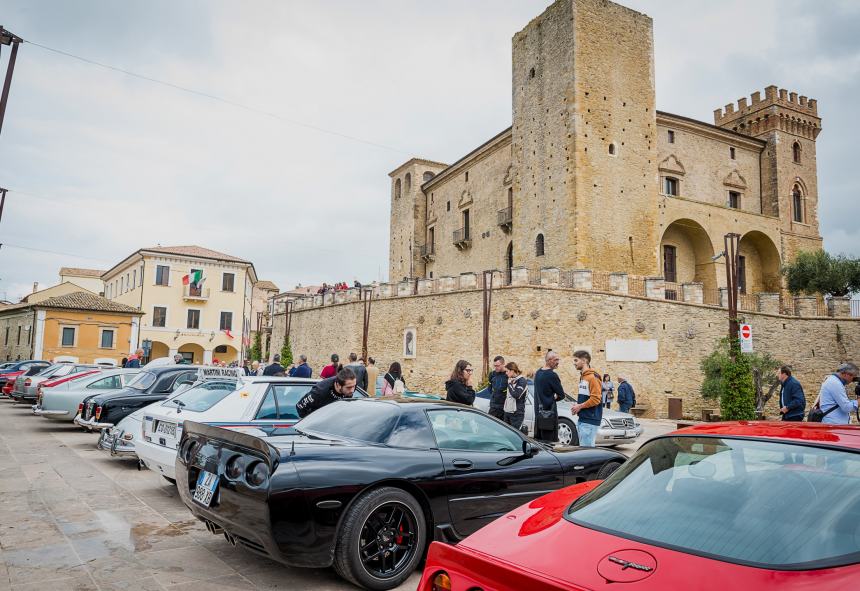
(792, 401)
(459, 387)
(498, 388)
(518, 388)
(548, 391)
(327, 391)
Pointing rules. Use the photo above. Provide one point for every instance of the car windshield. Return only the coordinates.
(63, 370)
(202, 397)
(142, 381)
(759, 503)
(364, 420)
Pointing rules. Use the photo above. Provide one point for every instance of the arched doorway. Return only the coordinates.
(509, 262)
(758, 264)
(225, 353)
(686, 254)
(158, 350)
(192, 353)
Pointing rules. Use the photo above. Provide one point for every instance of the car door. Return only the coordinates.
(486, 472)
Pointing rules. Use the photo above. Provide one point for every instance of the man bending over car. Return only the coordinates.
(327, 391)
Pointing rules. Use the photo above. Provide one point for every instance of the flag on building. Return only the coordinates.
(228, 333)
(194, 278)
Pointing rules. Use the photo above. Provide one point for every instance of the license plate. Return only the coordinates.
(206, 485)
(166, 428)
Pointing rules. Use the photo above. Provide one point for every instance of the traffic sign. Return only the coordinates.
(746, 338)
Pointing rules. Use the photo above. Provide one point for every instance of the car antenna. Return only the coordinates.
(293, 449)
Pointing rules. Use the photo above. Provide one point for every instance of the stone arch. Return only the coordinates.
(694, 253)
(427, 176)
(397, 189)
(226, 353)
(195, 350)
(539, 246)
(407, 181)
(796, 152)
(158, 350)
(761, 262)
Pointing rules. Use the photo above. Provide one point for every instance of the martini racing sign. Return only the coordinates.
(220, 373)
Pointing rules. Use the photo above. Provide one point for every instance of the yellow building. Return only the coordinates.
(203, 322)
(80, 327)
(89, 279)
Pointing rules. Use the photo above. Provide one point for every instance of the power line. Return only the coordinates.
(42, 250)
(220, 99)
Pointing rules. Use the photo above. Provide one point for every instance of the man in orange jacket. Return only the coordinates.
(588, 403)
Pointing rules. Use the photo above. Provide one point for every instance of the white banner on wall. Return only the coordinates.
(642, 350)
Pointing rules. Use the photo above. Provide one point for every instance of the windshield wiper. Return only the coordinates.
(179, 404)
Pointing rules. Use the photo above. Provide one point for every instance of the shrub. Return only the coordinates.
(728, 375)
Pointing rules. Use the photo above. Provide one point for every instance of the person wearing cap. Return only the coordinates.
(331, 370)
(833, 398)
(275, 368)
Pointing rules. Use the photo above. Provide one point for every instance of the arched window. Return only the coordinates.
(397, 189)
(428, 175)
(795, 152)
(797, 204)
(408, 182)
(539, 245)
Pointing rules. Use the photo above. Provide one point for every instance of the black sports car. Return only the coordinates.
(364, 484)
(102, 411)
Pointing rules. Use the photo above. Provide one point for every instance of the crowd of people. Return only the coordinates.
(340, 286)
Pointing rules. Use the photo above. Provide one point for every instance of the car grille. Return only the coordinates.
(624, 423)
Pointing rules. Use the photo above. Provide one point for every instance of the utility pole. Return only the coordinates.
(2, 201)
(487, 301)
(8, 38)
(367, 300)
(732, 241)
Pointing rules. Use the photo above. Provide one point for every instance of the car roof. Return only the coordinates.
(414, 402)
(170, 368)
(838, 435)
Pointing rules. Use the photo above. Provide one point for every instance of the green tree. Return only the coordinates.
(729, 377)
(821, 272)
(286, 354)
(257, 348)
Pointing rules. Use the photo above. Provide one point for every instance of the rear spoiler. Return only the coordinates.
(234, 437)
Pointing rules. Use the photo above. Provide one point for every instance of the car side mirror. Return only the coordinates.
(529, 449)
(524, 429)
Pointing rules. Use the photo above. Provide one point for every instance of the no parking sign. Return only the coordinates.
(745, 333)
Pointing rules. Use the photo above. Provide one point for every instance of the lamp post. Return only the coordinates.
(8, 38)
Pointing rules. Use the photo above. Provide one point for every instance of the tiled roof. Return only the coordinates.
(195, 251)
(79, 300)
(75, 271)
(267, 285)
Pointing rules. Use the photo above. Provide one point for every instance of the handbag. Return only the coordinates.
(545, 420)
(510, 404)
(816, 415)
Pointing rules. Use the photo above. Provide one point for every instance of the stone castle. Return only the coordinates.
(591, 175)
(602, 220)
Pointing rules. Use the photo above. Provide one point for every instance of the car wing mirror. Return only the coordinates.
(529, 449)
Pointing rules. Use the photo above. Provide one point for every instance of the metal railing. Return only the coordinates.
(461, 236)
(428, 250)
(712, 297)
(191, 292)
(506, 216)
(747, 302)
(636, 286)
(855, 308)
(672, 291)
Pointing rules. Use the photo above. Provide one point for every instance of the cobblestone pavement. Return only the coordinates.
(73, 518)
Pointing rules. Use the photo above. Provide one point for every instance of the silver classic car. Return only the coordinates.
(62, 401)
(26, 387)
(617, 427)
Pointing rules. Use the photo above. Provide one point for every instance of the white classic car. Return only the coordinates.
(617, 427)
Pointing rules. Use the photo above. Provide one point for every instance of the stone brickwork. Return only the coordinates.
(527, 321)
(12, 346)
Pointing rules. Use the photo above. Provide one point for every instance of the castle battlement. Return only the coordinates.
(802, 110)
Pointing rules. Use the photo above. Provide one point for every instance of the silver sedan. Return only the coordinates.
(616, 428)
(62, 402)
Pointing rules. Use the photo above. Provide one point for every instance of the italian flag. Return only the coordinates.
(194, 278)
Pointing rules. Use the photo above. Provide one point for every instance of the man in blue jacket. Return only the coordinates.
(626, 395)
(792, 401)
(302, 370)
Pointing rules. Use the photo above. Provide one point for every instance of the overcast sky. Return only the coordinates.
(106, 163)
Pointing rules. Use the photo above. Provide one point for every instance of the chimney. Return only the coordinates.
(35, 286)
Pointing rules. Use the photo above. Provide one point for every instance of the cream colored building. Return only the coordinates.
(203, 324)
(89, 279)
(592, 176)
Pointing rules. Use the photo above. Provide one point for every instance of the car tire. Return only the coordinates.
(607, 469)
(369, 516)
(567, 426)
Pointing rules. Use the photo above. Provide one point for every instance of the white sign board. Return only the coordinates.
(642, 350)
(745, 335)
(216, 373)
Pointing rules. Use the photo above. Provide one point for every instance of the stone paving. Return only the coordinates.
(73, 518)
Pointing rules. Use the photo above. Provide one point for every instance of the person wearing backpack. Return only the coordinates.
(392, 382)
(833, 404)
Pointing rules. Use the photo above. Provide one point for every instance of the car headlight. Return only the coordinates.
(440, 582)
(128, 436)
(257, 474)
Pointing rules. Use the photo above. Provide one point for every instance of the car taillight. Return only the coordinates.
(80, 408)
(440, 582)
(98, 412)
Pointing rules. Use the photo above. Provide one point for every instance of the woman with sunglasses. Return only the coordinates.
(459, 387)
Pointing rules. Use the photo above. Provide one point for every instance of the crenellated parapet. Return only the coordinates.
(779, 109)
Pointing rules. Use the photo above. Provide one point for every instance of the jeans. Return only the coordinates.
(587, 434)
(624, 407)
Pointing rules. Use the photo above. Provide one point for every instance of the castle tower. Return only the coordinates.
(584, 153)
(408, 223)
(790, 125)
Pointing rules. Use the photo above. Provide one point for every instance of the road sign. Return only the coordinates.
(746, 338)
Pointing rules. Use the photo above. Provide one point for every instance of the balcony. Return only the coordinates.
(506, 219)
(428, 252)
(462, 239)
(200, 294)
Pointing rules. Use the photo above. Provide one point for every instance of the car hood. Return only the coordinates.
(103, 397)
(536, 538)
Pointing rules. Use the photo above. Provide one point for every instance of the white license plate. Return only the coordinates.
(166, 428)
(207, 483)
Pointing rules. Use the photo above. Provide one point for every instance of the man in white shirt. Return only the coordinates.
(833, 399)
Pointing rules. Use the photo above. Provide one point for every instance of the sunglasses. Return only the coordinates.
(469, 369)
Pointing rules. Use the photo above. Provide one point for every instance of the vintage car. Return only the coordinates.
(25, 388)
(617, 427)
(254, 401)
(103, 411)
(10, 373)
(62, 401)
(363, 484)
(121, 440)
(717, 506)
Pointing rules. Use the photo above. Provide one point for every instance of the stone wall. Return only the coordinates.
(12, 323)
(526, 321)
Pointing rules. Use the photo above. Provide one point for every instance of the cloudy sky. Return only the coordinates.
(100, 163)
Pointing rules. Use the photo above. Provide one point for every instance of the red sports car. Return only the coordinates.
(718, 506)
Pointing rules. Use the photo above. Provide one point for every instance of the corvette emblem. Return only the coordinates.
(625, 564)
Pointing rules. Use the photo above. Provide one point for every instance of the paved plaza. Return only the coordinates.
(73, 518)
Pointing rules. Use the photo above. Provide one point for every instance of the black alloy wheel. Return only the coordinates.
(382, 539)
